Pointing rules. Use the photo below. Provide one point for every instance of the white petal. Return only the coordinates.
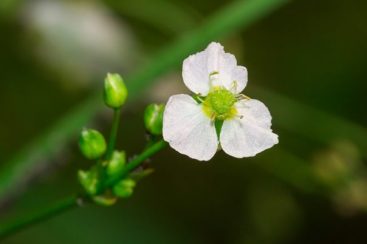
(187, 129)
(198, 71)
(239, 76)
(195, 73)
(230, 76)
(217, 58)
(249, 134)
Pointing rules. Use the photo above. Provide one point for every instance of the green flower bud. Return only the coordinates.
(117, 163)
(115, 91)
(124, 188)
(92, 144)
(89, 180)
(105, 200)
(153, 118)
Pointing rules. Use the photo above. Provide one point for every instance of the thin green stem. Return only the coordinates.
(136, 162)
(113, 135)
(71, 202)
(62, 206)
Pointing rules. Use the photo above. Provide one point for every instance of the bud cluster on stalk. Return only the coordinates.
(109, 178)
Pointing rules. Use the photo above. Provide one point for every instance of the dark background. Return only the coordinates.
(306, 61)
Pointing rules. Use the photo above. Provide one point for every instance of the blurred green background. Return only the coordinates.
(306, 61)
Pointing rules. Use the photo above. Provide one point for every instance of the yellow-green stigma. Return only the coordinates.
(219, 104)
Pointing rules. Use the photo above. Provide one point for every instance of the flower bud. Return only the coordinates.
(115, 91)
(124, 188)
(117, 163)
(92, 144)
(89, 180)
(153, 118)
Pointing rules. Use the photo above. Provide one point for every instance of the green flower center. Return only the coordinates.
(219, 104)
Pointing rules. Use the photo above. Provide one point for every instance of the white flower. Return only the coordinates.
(189, 124)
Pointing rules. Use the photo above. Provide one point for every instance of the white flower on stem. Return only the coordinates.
(189, 123)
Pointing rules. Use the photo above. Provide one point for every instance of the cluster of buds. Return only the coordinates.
(112, 166)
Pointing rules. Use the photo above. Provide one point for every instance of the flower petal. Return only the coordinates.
(239, 76)
(249, 134)
(195, 73)
(218, 59)
(213, 67)
(187, 129)
(230, 76)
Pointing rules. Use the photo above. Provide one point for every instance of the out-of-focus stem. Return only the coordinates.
(72, 202)
(62, 206)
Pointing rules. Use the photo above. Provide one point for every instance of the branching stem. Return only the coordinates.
(74, 201)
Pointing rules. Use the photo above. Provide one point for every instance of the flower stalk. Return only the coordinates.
(76, 201)
(110, 177)
(113, 134)
(60, 207)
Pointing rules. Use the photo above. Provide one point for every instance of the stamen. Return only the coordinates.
(213, 77)
(234, 86)
(242, 97)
